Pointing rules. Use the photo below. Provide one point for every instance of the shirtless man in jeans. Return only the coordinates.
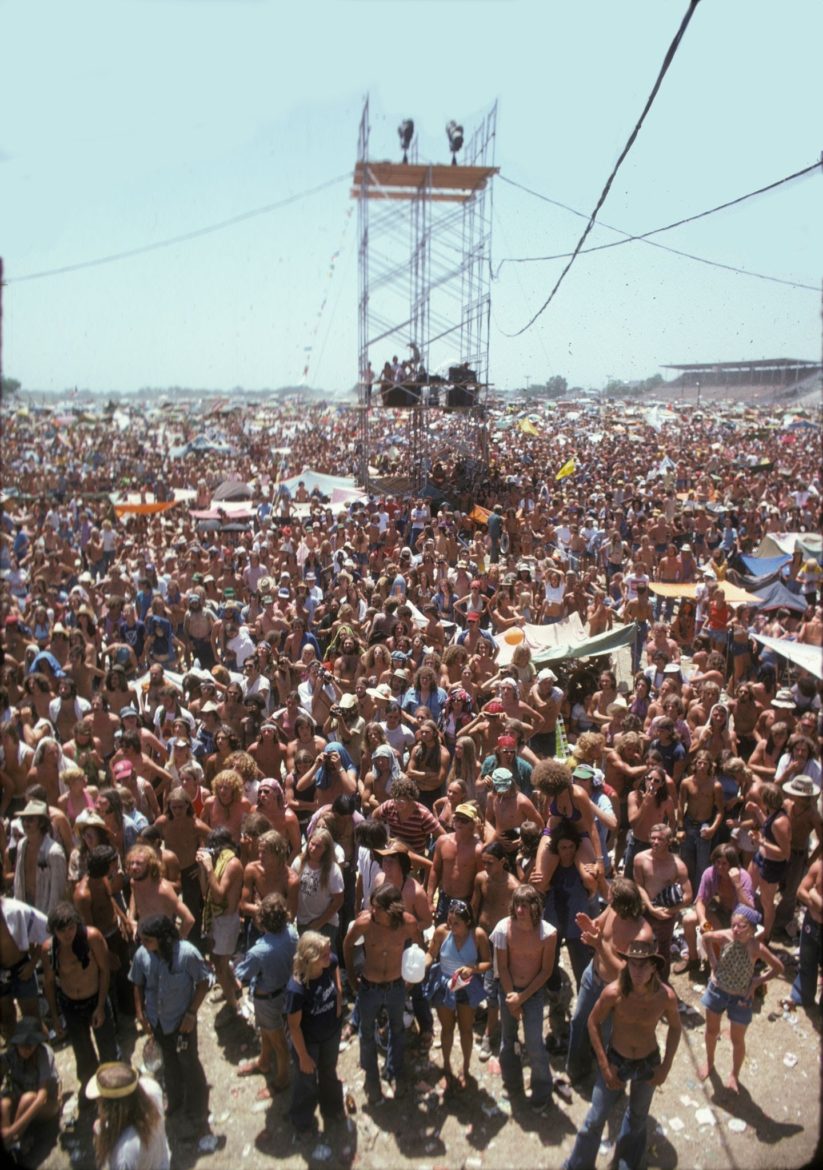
(78, 992)
(385, 929)
(493, 889)
(525, 948)
(663, 882)
(619, 925)
(635, 1003)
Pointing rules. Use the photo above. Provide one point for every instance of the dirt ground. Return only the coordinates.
(773, 1124)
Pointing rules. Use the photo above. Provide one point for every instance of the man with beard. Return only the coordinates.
(151, 893)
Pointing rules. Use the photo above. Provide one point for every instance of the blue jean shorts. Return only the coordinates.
(739, 1008)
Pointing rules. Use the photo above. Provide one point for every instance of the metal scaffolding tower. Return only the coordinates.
(425, 291)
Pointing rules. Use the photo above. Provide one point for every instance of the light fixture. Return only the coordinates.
(455, 133)
(405, 133)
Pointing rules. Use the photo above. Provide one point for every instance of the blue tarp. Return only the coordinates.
(777, 596)
(765, 566)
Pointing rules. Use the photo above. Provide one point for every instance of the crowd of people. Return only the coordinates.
(312, 761)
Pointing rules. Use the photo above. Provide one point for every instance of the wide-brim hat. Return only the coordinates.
(640, 949)
(36, 808)
(97, 1086)
(784, 699)
(382, 693)
(801, 786)
(392, 849)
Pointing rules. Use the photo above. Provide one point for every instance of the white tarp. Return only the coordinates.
(809, 658)
(786, 542)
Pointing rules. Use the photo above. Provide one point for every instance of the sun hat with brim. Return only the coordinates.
(100, 1084)
(89, 819)
(36, 808)
(640, 949)
(784, 699)
(392, 849)
(348, 702)
(583, 772)
(28, 1031)
(468, 811)
(382, 693)
(801, 786)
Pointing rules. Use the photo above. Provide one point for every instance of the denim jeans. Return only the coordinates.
(183, 1075)
(639, 644)
(580, 1056)
(370, 999)
(322, 1087)
(630, 1150)
(510, 1065)
(695, 851)
(78, 1014)
(804, 988)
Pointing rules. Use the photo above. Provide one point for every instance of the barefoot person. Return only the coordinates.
(493, 889)
(635, 1003)
(459, 955)
(268, 965)
(732, 984)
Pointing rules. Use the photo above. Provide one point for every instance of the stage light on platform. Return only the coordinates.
(405, 132)
(455, 133)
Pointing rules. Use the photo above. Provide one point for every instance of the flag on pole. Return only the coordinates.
(528, 427)
(567, 469)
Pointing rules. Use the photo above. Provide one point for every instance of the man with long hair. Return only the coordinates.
(171, 981)
(130, 1130)
(635, 1003)
(385, 929)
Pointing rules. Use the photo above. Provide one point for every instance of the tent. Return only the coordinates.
(765, 566)
(776, 543)
(339, 488)
(233, 489)
(565, 639)
(809, 658)
(777, 596)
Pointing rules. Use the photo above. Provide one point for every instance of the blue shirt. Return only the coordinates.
(268, 964)
(168, 992)
(317, 1000)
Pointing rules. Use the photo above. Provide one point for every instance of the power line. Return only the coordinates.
(192, 235)
(644, 236)
(670, 54)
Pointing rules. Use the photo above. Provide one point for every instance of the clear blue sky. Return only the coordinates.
(128, 122)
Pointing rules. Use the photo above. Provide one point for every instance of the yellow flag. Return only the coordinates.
(528, 427)
(566, 469)
(479, 515)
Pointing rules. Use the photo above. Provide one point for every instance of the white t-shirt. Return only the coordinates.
(312, 899)
(499, 937)
(129, 1153)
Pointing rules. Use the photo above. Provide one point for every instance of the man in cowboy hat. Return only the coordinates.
(635, 1003)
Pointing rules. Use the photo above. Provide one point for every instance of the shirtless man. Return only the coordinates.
(227, 807)
(700, 815)
(507, 809)
(456, 862)
(17, 758)
(94, 900)
(221, 880)
(525, 948)
(270, 873)
(545, 698)
(640, 611)
(183, 833)
(619, 925)
(663, 882)
(151, 893)
(385, 928)
(804, 819)
(633, 1004)
(76, 975)
(23, 930)
(491, 899)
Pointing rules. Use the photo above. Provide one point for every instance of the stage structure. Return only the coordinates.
(425, 294)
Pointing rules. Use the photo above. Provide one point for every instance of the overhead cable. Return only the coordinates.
(670, 55)
(181, 239)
